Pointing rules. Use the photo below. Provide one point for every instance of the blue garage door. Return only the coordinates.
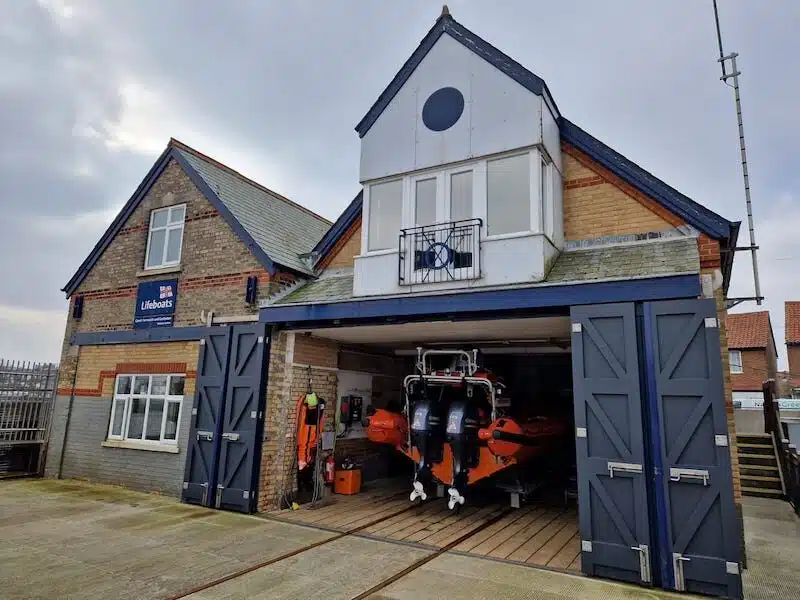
(699, 528)
(612, 487)
(224, 452)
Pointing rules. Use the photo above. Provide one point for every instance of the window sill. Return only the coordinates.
(159, 271)
(142, 445)
(383, 252)
(510, 236)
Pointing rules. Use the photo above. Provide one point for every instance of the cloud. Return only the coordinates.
(31, 334)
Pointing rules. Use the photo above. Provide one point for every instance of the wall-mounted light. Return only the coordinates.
(77, 308)
(251, 289)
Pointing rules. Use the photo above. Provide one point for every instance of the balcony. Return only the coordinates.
(440, 253)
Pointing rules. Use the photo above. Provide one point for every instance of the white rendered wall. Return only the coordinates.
(499, 115)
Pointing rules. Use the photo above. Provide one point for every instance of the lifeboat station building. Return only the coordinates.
(485, 220)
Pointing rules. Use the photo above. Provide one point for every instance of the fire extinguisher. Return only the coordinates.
(329, 469)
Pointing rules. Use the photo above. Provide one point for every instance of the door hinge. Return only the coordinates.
(204, 497)
(623, 468)
(246, 494)
(261, 339)
(721, 440)
(732, 568)
(202, 341)
(186, 485)
(644, 562)
(580, 432)
(677, 564)
(220, 487)
(586, 545)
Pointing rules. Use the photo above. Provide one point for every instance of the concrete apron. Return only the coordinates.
(66, 539)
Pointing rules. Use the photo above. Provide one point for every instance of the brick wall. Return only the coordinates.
(756, 368)
(84, 456)
(345, 250)
(597, 203)
(288, 382)
(793, 353)
(730, 416)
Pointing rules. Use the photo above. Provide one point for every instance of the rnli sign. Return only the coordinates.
(155, 303)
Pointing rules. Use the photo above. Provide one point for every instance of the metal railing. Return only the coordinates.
(442, 252)
(27, 390)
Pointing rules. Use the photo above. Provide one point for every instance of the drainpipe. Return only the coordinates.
(69, 414)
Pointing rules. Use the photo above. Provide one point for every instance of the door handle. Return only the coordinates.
(677, 563)
(220, 487)
(698, 474)
(231, 437)
(205, 436)
(623, 468)
(644, 562)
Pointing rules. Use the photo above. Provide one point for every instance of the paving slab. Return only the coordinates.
(339, 570)
(66, 539)
(772, 536)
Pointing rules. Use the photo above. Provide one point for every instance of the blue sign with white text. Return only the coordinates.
(155, 303)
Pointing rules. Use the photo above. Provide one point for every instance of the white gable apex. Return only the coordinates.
(498, 115)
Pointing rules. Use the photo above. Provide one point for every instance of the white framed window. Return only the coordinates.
(508, 194)
(385, 214)
(165, 237)
(147, 408)
(735, 361)
(461, 196)
(425, 200)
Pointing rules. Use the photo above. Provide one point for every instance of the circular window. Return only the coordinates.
(442, 109)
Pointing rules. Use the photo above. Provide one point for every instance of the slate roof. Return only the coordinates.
(275, 229)
(283, 229)
(792, 314)
(748, 330)
(652, 258)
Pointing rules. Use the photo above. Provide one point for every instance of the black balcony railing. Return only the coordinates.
(443, 252)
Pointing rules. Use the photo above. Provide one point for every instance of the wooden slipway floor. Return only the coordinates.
(67, 539)
(544, 535)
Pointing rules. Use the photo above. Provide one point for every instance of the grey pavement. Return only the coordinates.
(68, 539)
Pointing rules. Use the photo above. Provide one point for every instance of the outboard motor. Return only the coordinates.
(427, 436)
(463, 423)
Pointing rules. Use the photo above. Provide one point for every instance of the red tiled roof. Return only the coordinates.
(748, 330)
(793, 322)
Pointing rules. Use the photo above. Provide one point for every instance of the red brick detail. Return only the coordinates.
(121, 292)
(351, 231)
(582, 182)
(143, 368)
(133, 229)
(709, 252)
(193, 283)
(609, 177)
(209, 214)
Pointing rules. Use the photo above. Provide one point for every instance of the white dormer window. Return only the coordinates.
(385, 214)
(508, 195)
(461, 196)
(165, 237)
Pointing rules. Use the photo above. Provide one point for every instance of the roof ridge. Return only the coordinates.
(175, 143)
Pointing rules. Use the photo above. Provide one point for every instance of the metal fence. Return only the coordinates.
(27, 390)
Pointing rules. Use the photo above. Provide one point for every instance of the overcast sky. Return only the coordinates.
(92, 90)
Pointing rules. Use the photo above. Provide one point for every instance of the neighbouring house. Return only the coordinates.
(753, 358)
(792, 328)
(484, 219)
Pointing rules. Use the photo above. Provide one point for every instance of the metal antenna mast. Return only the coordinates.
(734, 74)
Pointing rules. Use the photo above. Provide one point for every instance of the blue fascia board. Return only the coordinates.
(417, 307)
(138, 336)
(144, 187)
(223, 210)
(471, 41)
(342, 224)
(693, 213)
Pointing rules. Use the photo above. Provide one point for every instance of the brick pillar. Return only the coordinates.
(729, 414)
